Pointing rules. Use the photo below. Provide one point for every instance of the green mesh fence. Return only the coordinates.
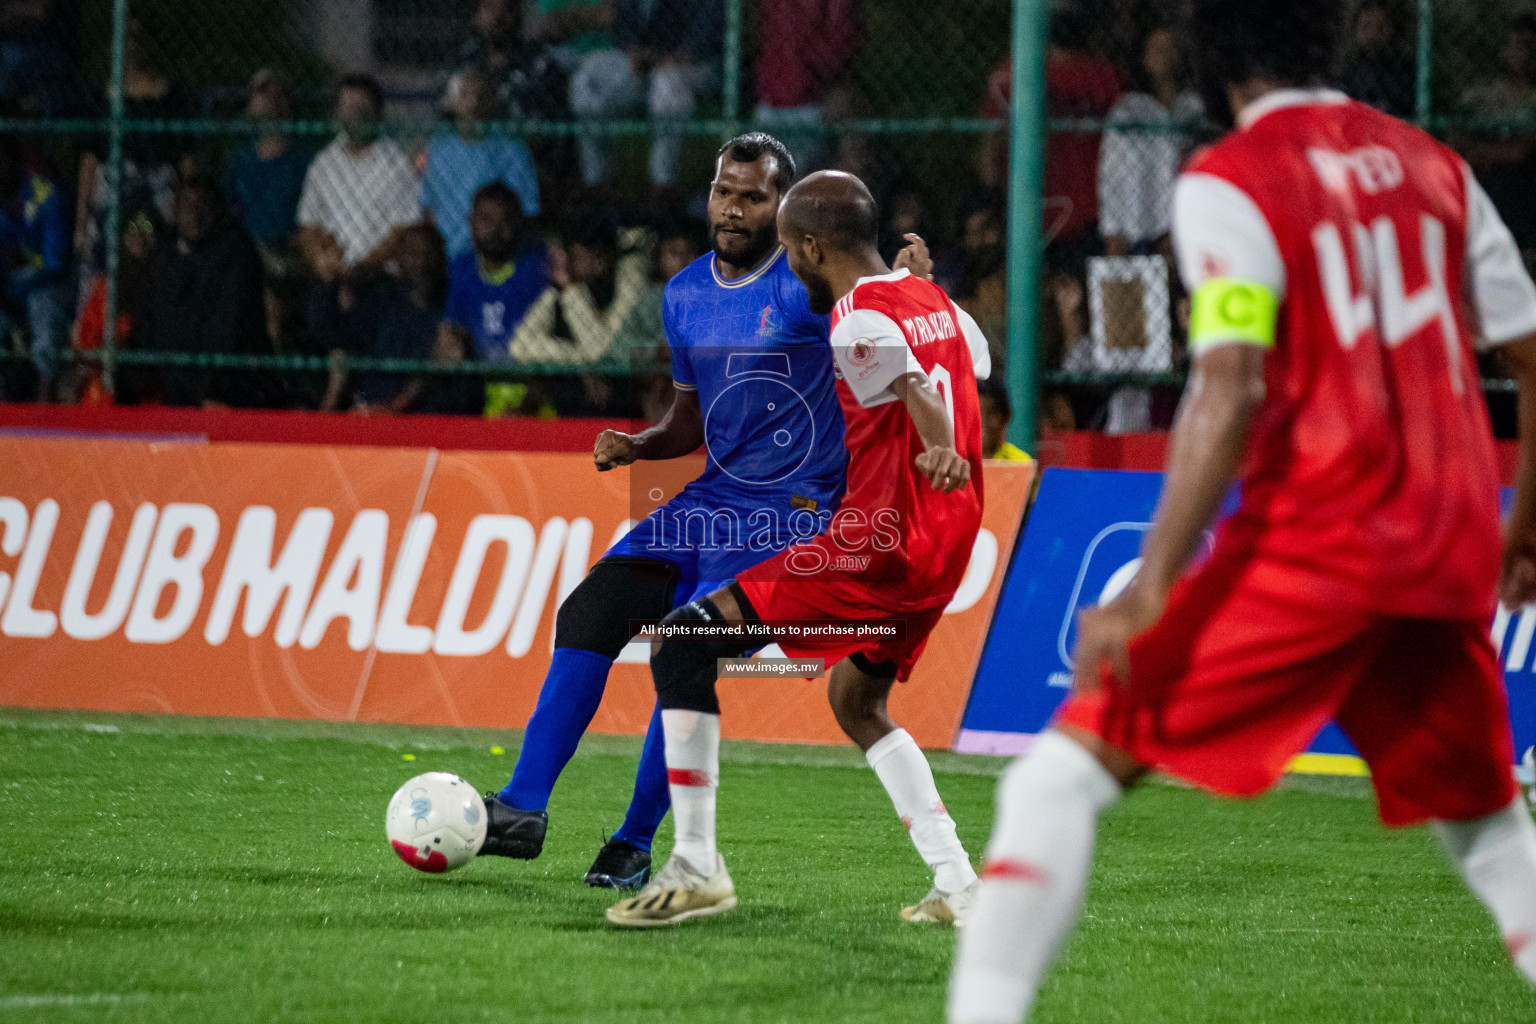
(318, 274)
(251, 222)
(1112, 314)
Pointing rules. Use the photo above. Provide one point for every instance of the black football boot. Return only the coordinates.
(510, 832)
(620, 865)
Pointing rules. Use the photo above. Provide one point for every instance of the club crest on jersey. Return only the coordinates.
(766, 327)
(861, 351)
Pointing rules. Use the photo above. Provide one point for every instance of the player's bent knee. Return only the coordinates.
(684, 666)
(599, 615)
(859, 700)
(853, 706)
(1126, 769)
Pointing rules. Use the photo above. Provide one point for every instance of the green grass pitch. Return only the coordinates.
(162, 869)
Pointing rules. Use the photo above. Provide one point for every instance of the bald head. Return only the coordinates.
(829, 228)
(834, 208)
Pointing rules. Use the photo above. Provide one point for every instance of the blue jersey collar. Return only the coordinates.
(762, 268)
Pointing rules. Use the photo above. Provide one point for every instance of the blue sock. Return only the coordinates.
(652, 797)
(572, 691)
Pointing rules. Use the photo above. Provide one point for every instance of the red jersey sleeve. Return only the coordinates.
(871, 353)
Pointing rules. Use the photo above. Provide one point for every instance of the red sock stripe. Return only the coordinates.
(1517, 942)
(689, 777)
(1014, 871)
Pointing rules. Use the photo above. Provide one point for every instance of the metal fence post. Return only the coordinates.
(730, 89)
(114, 194)
(1423, 101)
(1026, 172)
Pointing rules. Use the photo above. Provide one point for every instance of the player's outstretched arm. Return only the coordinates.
(680, 431)
(1517, 576)
(1204, 451)
(946, 469)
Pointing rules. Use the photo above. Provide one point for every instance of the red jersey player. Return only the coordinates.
(865, 593)
(1342, 264)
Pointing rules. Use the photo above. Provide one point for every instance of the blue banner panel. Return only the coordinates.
(1080, 545)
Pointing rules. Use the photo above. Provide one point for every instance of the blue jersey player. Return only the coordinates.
(754, 387)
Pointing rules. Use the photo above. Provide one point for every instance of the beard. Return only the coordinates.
(820, 293)
(495, 252)
(743, 249)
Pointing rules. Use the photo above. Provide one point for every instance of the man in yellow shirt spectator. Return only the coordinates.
(996, 411)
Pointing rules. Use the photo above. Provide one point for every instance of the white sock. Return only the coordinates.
(693, 772)
(1032, 886)
(1496, 856)
(904, 772)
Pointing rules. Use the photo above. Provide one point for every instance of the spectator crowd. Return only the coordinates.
(534, 257)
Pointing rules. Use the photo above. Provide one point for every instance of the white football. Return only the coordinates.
(436, 822)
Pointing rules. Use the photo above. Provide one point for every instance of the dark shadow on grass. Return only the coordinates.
(743, 920)
(333, 880)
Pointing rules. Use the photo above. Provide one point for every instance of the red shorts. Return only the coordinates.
(1238, 677)
(836, 601)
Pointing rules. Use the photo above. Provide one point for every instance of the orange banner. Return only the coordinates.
(369, 584)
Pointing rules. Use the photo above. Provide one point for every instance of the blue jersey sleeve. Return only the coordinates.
(682, 370)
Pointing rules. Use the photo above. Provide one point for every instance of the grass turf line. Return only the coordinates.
(208, 870)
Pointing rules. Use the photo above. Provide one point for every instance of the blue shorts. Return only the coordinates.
(710, 542)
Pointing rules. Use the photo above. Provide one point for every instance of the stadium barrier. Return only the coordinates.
(125, 99)
(457, 433)
(370, 584)
(1081, 543)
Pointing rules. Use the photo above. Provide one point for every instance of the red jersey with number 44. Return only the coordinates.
(1370, 480)
(919, 539)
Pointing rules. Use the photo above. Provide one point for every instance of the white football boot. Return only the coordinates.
(945, 909)
(678, 892)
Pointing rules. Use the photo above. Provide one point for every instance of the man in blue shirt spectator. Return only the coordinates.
(34, 251)
(459, 163)
(491, 288)
(266, 177)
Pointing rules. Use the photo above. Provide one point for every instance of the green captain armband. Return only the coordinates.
(1228, 309)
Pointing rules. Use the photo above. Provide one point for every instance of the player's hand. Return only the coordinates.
(1517, 573)
(946, 469)
(1105, 635)
(914, 257)
(613, 448)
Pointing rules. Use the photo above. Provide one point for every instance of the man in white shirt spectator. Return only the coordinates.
(1146, 138)
(595, 285)
(359, 191)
